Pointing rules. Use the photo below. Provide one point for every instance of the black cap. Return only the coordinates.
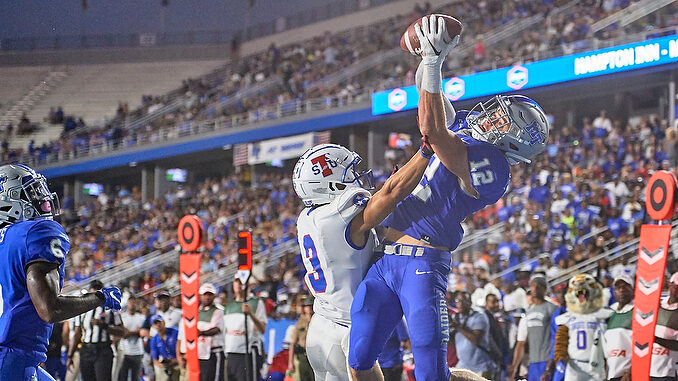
(96, 284)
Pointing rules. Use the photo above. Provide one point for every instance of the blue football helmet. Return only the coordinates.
(513, 123)
(24, 195)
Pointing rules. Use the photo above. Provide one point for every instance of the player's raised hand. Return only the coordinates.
(112, 297)
(434, 39)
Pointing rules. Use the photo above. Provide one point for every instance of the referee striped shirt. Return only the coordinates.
(97, 333)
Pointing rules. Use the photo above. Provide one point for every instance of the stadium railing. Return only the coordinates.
(129, 268)
(188, 129)
(530, 261)
(227, 273)
(630, 14)
(627, 249)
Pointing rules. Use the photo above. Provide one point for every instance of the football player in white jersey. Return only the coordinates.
(337, 241)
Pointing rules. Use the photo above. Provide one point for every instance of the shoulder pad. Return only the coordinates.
(351, 202)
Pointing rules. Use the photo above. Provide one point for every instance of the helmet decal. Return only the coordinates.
(321, 164)
(326, 171)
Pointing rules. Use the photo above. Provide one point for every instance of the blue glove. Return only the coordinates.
(112, 297)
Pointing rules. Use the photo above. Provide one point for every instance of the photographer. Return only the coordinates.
(163, 351)
(471, 334)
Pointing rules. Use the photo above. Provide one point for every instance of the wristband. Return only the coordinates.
(426, 150)
(431, 78)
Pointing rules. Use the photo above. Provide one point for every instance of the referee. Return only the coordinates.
(95, 328)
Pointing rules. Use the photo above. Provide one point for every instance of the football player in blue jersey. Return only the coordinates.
(33, 249)
(470, 169)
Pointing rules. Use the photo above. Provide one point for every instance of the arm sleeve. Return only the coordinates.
(46, 241)
(522, 329)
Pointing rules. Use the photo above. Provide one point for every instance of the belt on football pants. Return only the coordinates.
(401, 249)
(414, 251)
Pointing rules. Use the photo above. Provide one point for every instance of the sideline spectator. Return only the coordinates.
(499, 330)
(210, 335)
(131, 345)
(664, 352)
(471, 330)
(298, 343)
(618, 342)
(536, 328)
(163, 351)
(239, 365)
(170, 315)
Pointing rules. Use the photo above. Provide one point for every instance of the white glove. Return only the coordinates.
(435, 44)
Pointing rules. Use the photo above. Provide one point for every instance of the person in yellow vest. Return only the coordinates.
(239, 364)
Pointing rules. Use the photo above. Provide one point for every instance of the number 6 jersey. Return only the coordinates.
(334, 265)
(434, 211)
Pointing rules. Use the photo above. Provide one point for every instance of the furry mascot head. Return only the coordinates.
(584, 295)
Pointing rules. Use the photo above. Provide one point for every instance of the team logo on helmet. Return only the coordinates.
(321, 164)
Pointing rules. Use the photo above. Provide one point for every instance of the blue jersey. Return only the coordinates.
(434, 211)
(20, 245)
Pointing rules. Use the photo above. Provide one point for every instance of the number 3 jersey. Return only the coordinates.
(334, 265)
(434, 211)
(20, 245)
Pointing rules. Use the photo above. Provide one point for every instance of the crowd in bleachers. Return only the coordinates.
(296, 71)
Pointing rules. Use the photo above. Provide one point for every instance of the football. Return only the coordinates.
(409, 41)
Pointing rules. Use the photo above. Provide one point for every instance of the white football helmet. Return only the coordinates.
(513, 123)
(326, 171)
(24, 195)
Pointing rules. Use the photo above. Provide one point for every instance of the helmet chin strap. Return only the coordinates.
(516, 158)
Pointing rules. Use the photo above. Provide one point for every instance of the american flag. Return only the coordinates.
(239, 154)
(321, 137)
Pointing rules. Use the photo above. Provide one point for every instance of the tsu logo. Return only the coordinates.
(455, 88)
(397, 99)
(516, 77)
(322, 164)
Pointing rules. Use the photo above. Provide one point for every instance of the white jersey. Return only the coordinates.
(334, 265)
(585, 344)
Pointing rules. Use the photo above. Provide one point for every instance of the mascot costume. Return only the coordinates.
(579, 339)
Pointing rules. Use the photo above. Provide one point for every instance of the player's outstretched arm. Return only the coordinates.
(42, 281)
(382, 203)
(449, 148)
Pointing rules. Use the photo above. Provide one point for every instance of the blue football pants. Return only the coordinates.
(409, 285)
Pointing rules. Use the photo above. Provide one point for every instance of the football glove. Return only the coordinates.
(435, 46)
(112, 297)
